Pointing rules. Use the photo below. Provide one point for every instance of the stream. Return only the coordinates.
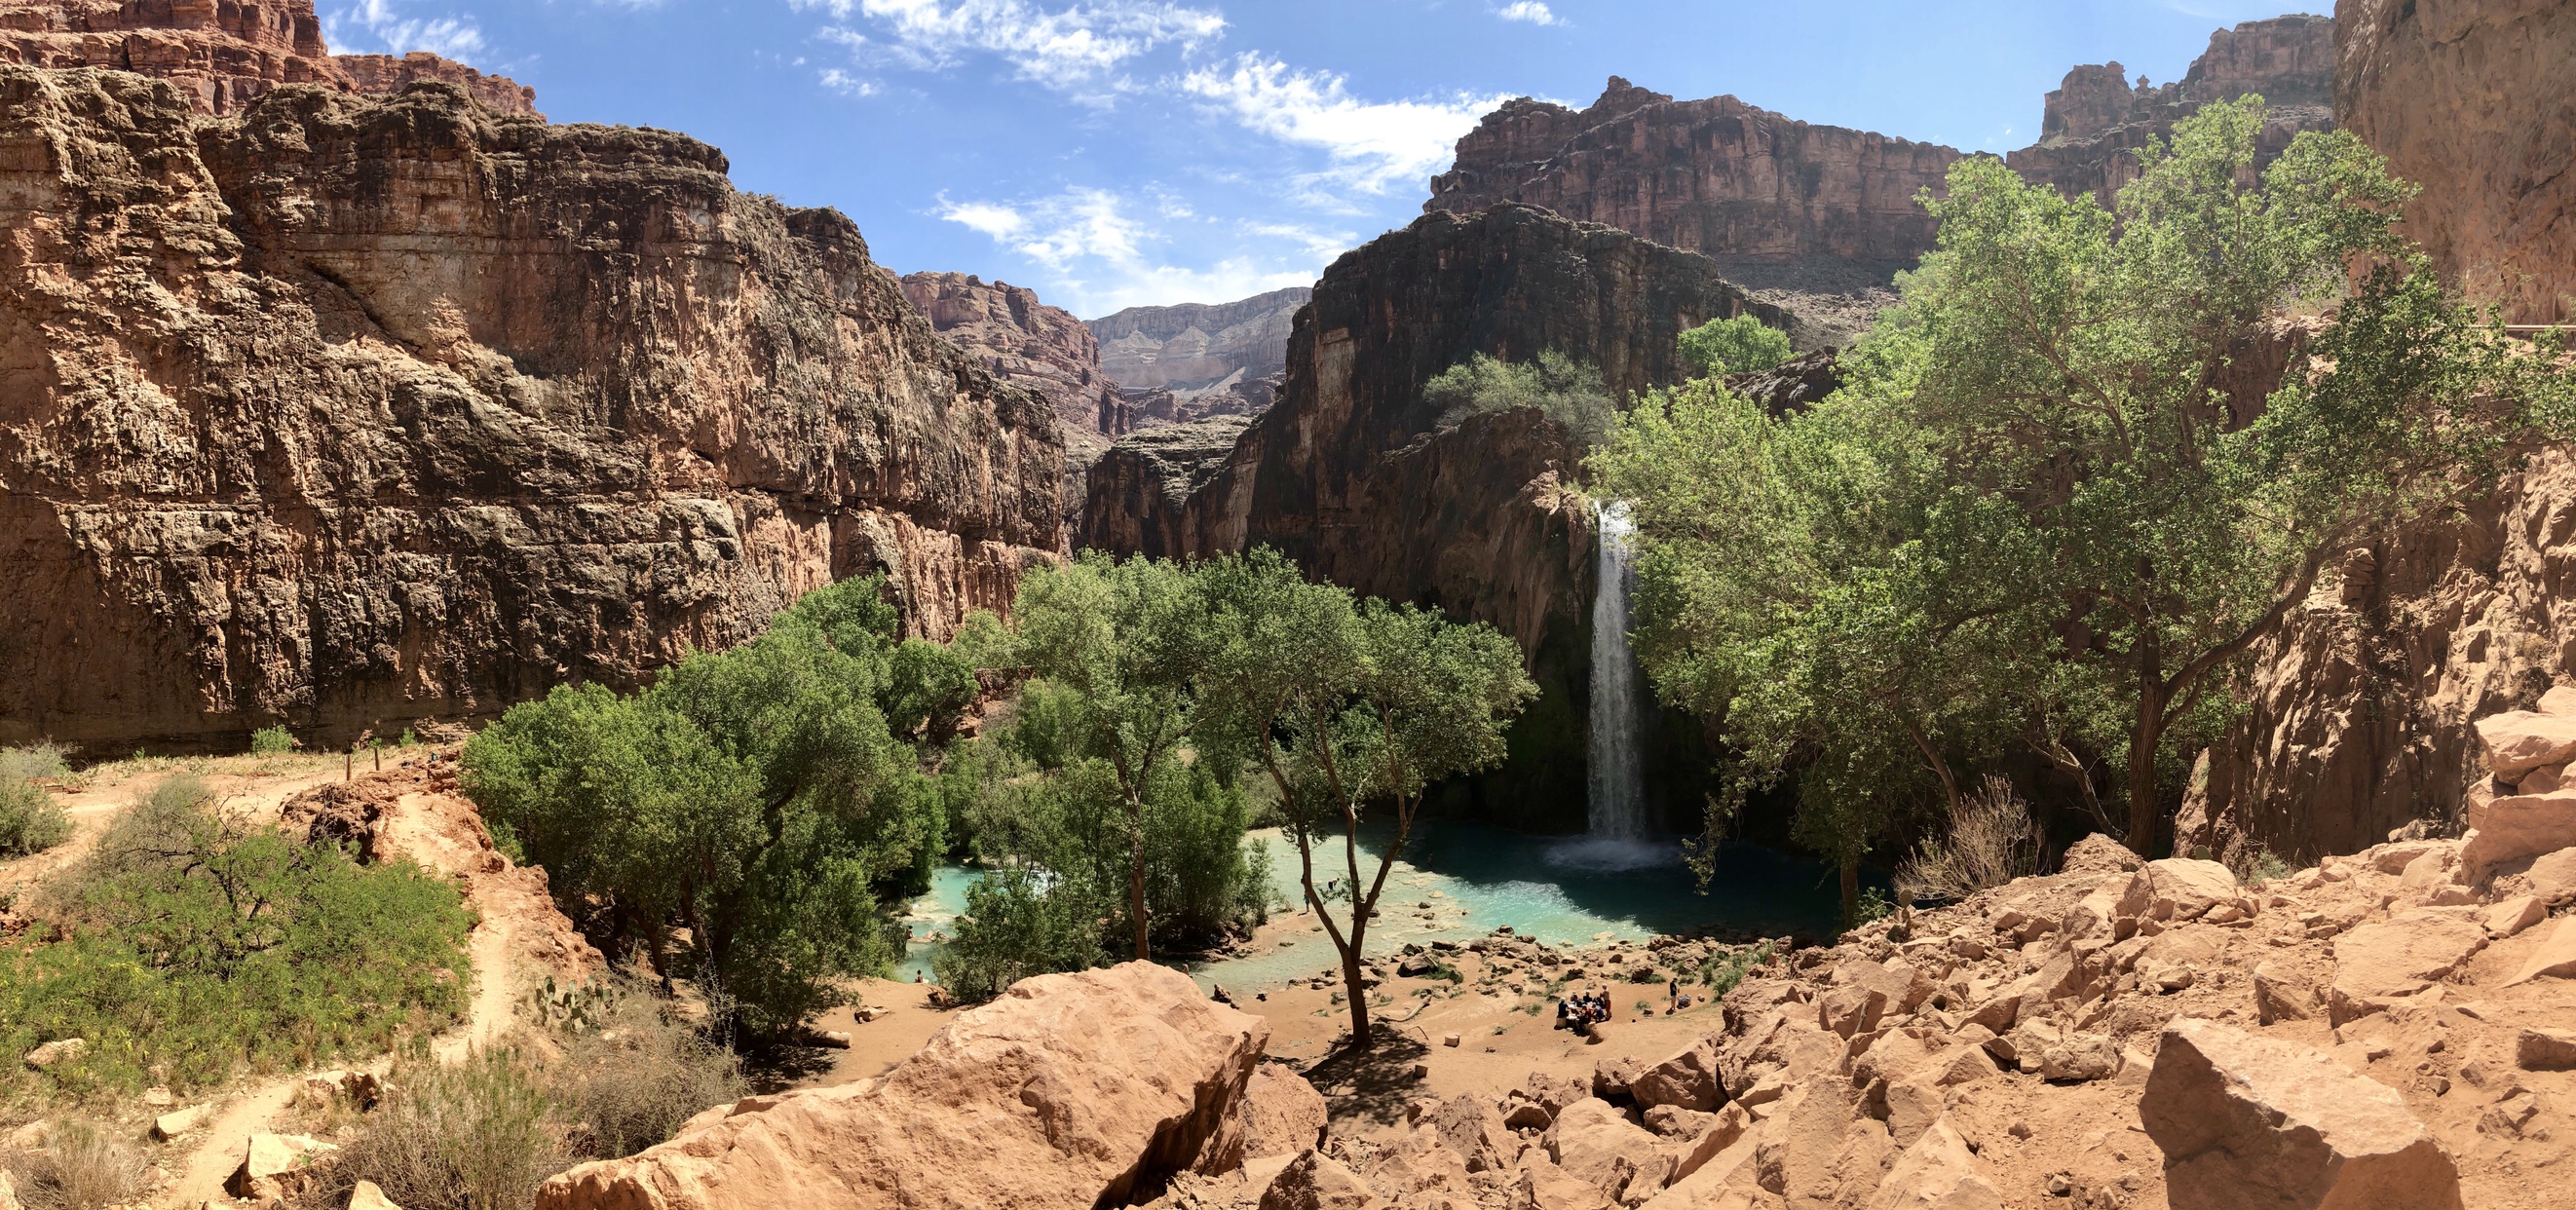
(1561, 890)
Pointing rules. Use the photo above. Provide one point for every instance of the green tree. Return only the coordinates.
(1128, 640)
(1739, 345)
(1351, 709)
(1566, 391)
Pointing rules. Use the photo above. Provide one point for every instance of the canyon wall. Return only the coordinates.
(345, 412)
(2362, 709)
(1029, 344)
(2476, 102)
(1210, 360)
(2092, 127)
(223, 54)
(1350, 474)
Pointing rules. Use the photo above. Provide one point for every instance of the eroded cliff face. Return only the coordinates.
(2094, 124)
(223, 54)
(346, 412)
(1350, 475)
(1029, 344)
(2476, 102)
(1215, 360)
(1816, 217)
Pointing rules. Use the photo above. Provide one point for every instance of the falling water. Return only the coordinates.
(1618, 832)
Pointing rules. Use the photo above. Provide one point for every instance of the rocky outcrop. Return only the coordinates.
(1196, 349)
(1071, 1091)
(2248, 1121)
(1820, 216)
(1029, 344)
(223, 54)
(1351, 475)
(2092, 127)
(346, 412)
(2475, 102)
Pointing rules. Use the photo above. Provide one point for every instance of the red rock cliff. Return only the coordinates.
(1029, 344)
(345, 412)
(2476, 102)
(222, 54)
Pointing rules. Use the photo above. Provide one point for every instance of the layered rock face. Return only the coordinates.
(2094, 124)
(1350, 475)
(1029, 344)
(1071, 1092)
(1198, 349)
(223, 54)
(348, 412)
(1821, 214)
(2476, 102)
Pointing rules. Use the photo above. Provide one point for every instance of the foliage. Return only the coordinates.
(1990, 841)
(632, 1081)
(1874, 905)
(192, 941)
(1348, 708)
(1566, 391)
(33, 762)
(471, 1135)
(929, 689)
(758, 798)
(278, 741)
(1723, 972)
(30, 820)
(1739, 345)
(1018, 922)
(84, 1168)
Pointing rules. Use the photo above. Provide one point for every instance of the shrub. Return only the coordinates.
(83, 1169)
(1020, 922)
(1734, 346)
(1568, 392)
(635, 1080)
(273, 741)
(32, 763)
(1991, 841)
(30, 820)
(190, 942)
(476, 1135)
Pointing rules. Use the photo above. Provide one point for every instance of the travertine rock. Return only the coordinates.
(2249, 1123)
(348, 413)
(1070, 1091)
(2471, 99)
(223, 54)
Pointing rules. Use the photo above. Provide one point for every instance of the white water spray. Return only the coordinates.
(1617, 834)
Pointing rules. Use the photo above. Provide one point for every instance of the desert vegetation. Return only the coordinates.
(1560, 388)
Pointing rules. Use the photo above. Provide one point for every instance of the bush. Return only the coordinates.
(83, 1169)
(1991, 841)
(277, 741)
(30, 820)
(634, 1082)
(1020, 922)
(1567, 391)
(191, 942)
(1734, 346)
(34, 762)
(475, 1135)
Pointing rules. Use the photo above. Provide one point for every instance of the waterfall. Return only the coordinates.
(1617, 808)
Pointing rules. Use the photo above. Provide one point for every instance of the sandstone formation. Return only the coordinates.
(1197, 349)
(346, 412)
(2092, 127)
(2247, 1122)
(1818, 217)
(1029, 344)
(2475, 100)
(1351, 475)
(1071, 1091)
(223, 54)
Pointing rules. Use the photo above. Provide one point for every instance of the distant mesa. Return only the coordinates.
(223, 54)
(1201, 349)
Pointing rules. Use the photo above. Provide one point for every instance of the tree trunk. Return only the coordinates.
(1851, 890)
(1136, 874)
(1351, 979)
(2143, 741)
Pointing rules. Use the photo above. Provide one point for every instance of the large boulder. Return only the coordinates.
(1070, 1091)
(2399, 956)
(2555, 958)
(2519, 741)
(2515, 827)
(1478, 1132)
(1282, 1113)
(2248, 1123)
(1312, 1181)
(2178, 889)
(1937, 1173)
(1598, 1145)
(1688, 1080)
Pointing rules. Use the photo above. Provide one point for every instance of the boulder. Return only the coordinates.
(2246, 1121)
(1675, 1122)
(2553, 877)
(2098, 854)
(1687, 1080)
(1703, 1186)
(2555, 958)
(1312, 1181)
(2283, 992)
(2545, 1050)
(1419, 1172)
(1282, 1113)
(2080, 1058)
(58, 1051)
(1725, 1128)
(1598, 1145)
(180, 1121)
(368, 1197)
(1937, 1173)
(1070, 1091)
(2513, 915)
(1480, 1135)
(1544, 1186)
(2178, 889)
(1611, 1077)
(2519, 741)
(2397, 957)
(2509, 829)
(276, 1167)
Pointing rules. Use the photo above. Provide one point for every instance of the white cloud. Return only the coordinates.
(846, 84)
(1528, 10)
(1372, 146)
(1097, 258)
(362, 25)
(1078, 50)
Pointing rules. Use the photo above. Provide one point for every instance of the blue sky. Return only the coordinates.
(1111, 153)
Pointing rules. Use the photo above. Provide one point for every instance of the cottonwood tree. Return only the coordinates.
(1128, 640)
(1353, 710)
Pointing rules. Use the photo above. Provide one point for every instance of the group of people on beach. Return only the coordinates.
(1582, 1010)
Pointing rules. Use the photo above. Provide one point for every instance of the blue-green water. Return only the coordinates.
(1476, 879)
